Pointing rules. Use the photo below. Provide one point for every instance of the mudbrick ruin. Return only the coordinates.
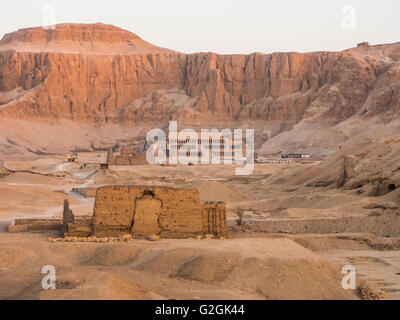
(145, 211)
(140, 211)
(126, 158)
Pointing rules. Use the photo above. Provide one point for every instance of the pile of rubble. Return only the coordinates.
(366, 293)
(124, 238)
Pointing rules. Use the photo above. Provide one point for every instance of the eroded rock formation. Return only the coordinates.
(82, 72)
(102, 74)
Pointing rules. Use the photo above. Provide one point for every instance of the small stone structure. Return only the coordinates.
(145, 211)
(295, 156)
(72, 157)
(125, 158)
(363, 45)
(87, 192)
(33, 225)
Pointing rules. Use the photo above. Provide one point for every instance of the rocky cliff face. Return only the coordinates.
(102, 74)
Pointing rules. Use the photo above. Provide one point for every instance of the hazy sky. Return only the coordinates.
(225, 26)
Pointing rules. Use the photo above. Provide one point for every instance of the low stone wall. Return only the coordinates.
(380, 226)
(27, 225)
(78, 230)
(86, 192)
(38, 222)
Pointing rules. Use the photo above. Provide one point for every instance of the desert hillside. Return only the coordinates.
(77, 79)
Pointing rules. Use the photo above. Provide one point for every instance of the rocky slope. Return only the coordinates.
(100, 75)
(371, 167)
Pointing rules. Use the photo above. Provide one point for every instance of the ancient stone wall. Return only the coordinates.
(214, 218)
(382, 226)
(88, 192)
(68, 216)
(146, 211)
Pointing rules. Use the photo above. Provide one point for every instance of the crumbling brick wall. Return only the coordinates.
(214, 218)
(88, 192)
(145, 211)
(68, 216)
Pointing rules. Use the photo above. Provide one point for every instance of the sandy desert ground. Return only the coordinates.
(247, 265)
(291, 226)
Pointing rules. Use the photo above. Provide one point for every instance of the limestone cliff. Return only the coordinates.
(102, 74)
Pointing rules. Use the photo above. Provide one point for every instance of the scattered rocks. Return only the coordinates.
(124, 238)
(153, 238)
(366, 293)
